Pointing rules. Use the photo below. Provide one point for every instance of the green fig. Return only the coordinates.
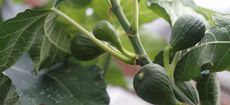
(105, 31)
(189, 90)
(152, 84)
(84, 49)
(208, 89)
(187, 31)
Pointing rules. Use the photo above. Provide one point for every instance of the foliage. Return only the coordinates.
(41, 55)
(8, 95)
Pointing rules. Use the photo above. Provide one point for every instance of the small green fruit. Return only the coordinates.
(187, 31)
(189, 90)
(152, 84)
(208, 89)
(84, 49)
(105, 31)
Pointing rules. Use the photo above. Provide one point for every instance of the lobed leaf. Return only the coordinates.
(18, 34)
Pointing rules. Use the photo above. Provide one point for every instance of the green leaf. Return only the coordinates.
(208, 88)
(159, 9)
(213, 49)
(8, 95)
(170, 10)
(56, 34)
(17, 35)
(35, 50)
(51, 46)
(45, 55)
(50, 55)
(63, 85)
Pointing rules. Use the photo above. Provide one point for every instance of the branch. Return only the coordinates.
(132, 30)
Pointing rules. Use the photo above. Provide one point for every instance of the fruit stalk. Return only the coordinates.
(170, 72)
(166, 60)
(131, 30)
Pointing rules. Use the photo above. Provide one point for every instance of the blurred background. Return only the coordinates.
(155, 32)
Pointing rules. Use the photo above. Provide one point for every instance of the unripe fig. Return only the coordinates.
(152, 84)
(84, 49)
(105, 31)
(187, 31)
(208, 89)
(189, 90)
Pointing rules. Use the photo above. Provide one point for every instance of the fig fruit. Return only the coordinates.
(152, 84)
(187, 31)
(84, 49)
(105, 31)
(208, 89)
(189, 90)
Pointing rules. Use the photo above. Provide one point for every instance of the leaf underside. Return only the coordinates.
(17, 35)
(63, 85)
(51, 46)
